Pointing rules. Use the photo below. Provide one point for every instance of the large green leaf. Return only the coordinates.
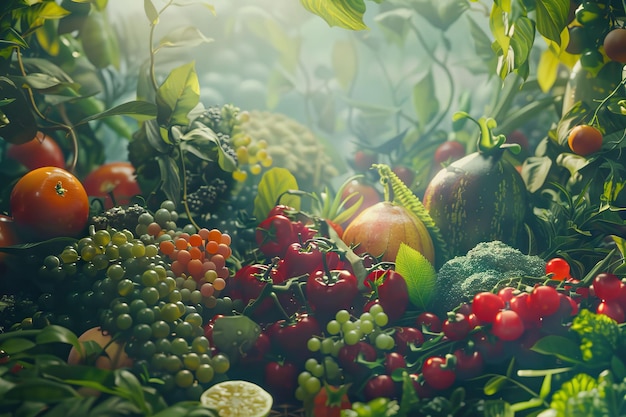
(395, 24)
(140, 110)
(419, 274)
(347, 14)
(522, 40)
(183, 36)
(274, 184)
(552, 18)
(178, 95)
(560, 347)
(42, 390)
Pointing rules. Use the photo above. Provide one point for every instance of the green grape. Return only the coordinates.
(337, 345)
(70, 268)
(204, 373)
(173, 364)
(160, 269)
(102, 237)
(147, 349)
(174, 296)
(142, 332)
(375, 309)
(366, 326)
(366, 316)
(115, 272)
(145, 218)
(303, 377)
(300, 394)
(151, 250)
(158, 359)
(191, 361)
(384, 342)
(69, 255)
(314, 344)
(120, 307)
(326, 346)
(333, 327)
(194, 319)
(138, 249)
(184, 378)
(316, 368)
(162, 216)
(126, 250)
(220, 363)
(190, 229)
(348, 326)
(150, 295)
(112, 252)
(342, 316)
(168, 205)
(145, 316)
(87, 253)
(200, 345)
(312, 385)
(163, 345)
(179, 346)
(125, 287)
(184, 329)
(119, 238)
(124, 321)
(352, 337)
(136, 305)
(381, 319)
(160, 329)
(86, 241)
(150, 278)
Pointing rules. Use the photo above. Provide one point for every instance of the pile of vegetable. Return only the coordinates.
(225, 267)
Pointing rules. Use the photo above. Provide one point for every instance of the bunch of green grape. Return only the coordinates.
(154, 302)
(343, 330)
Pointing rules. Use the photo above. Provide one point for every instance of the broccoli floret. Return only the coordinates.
(481, 269)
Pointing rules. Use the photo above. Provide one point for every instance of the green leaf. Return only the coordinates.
(183, 36)
(419, 274)
(347, 14)
(40, 390)
(170, 175)
(442, 13)
(57, 334)
(274, 184)
(522, 40)
(482, 45)
(425, 101)
(151, 12)
(535, 170)
(345, 61)
(140, 110)
(552, 18)
(17, 345)
(494, 384)
(560, 347)
(48, 84)
(178, 95)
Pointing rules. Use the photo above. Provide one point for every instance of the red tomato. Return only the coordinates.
(42, 151)
(469, 364)
(380, 386)
(115, 178)
(449, 151)
(437, 373)
(49, 202)
(508, 325)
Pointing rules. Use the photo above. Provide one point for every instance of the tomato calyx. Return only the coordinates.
(334, 396)
(59, 189)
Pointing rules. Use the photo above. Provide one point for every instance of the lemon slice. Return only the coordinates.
(237, 398)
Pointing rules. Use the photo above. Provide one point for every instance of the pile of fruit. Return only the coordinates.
(225, 268)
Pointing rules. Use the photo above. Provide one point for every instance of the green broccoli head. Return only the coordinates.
(481, 269)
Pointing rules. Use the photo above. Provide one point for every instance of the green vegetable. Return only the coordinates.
(481, 269)
(599, 334)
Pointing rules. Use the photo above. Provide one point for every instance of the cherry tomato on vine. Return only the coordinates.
(584, 140)
(348, 355)
(486, 306)
(612, 309)
(456, 327)
(41, 151)
(363, 160)
(429, 321)
(393, 361)
(281, 379)
(114, 178)
(390, 287)
(508, 325)
(606, 286)
(469, 363)
(544, 299)
(615, 45)
(380, 386)
(559, 268)
(49, 202)
(437, 373)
